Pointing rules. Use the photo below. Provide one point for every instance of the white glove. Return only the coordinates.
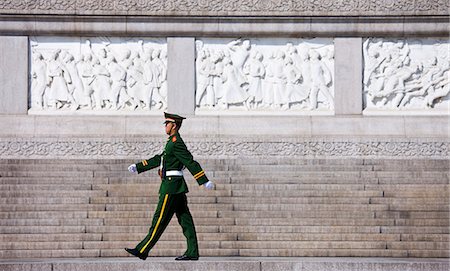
(209, 185)
(132, 168)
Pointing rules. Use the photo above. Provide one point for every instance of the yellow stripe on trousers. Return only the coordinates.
(157, 223)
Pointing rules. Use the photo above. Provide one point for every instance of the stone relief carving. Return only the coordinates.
(266, 74)
(101, 74)
(317, 147)
(232, 7)
(406, 74)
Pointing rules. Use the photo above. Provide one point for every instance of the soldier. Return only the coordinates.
(172, 192)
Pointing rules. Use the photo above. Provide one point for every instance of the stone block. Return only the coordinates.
(181, 75)
(13, 75)
(348, 76)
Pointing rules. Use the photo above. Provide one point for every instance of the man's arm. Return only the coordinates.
(185, 157)
(148, 164)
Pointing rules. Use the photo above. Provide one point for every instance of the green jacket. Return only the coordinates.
(174, 157)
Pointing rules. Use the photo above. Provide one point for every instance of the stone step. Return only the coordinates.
(268, 179)
(426, 222)
(283, 237)
(306, 193)
(169, 236)
(203, 199)
(144, 229)
(46, 200)
(299, 200)
(146, 222)
(42, 229)
(404, 245)
(53, 180)
(410, 187)
(43, 214)
(50, 237)
(162, 244)
(146, 207)
(56, 253)
(44, 187)
(140, 192)
(425, 237)
(278, 186)
(51, 207)
(51, 193)
(70, 245)
(415, 229)
(51, 222)
(310, 207)
(229, 263)
(156, 252)
(48, 173)
(295, 245)
(436, 214)
(143, 214)
(323, 253)
(299, 213)
(306, 229)
(407, 201)
(313, 222)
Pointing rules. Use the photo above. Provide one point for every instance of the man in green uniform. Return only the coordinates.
(172, 192)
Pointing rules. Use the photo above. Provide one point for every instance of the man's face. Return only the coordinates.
(169, 126)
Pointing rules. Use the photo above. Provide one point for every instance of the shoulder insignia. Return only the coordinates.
(174, 139)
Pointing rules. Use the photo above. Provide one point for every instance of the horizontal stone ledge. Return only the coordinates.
(232, 263)
(160, 26)
(252, 127)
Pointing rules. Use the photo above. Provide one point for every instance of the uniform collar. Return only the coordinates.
(172, 136)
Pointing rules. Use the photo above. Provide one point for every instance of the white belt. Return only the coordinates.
(174, 173)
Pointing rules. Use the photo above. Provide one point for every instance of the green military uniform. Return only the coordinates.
(172, 199)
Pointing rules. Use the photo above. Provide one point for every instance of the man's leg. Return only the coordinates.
(187, 224)
(161, 218)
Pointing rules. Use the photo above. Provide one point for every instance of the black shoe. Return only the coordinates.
(186, 258)
(135, 253)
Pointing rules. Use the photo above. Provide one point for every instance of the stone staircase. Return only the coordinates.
(261, 207)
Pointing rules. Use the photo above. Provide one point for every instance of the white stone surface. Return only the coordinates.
(13, 75)
(264, 75)
(181, 75)
(80, 74)
(348, 82)
(405, 75)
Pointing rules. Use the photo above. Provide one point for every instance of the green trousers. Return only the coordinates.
(168, 205)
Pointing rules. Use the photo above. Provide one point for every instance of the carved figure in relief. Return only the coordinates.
(103, 95)
(57, 80)
(422, 85)
(293, 79)
(278, 78)
(110, 76)
(255, 71)
(441, 88)
(320, 80)
(280, 95)
(207, 69)
(86, 68)
(233, 93)
(396, 78)
(135, 82)
(119, 95)
(76, 86)
(240, 53)
(202, 76)
(160, 59)
(38, 80)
